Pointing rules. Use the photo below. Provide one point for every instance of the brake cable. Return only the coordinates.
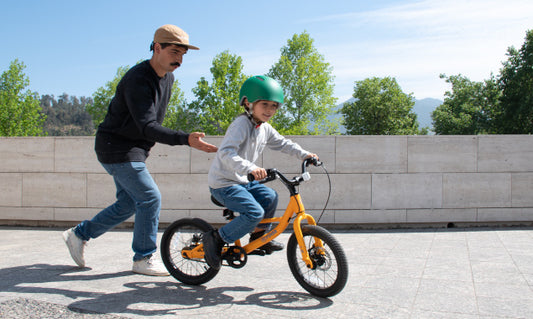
(329, 193)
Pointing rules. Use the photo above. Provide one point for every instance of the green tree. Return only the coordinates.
(380, 108)
(467, 108)
(103, 96)
(20, 112)
(217, 105)
(515, 111)
(308, 85)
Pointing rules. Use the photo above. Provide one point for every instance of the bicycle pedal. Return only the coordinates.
(228, 214)
(259, 252)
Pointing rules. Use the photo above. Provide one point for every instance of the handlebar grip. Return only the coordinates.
(271, 175)
(312, 160)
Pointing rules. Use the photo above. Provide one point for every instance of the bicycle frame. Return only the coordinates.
(295, 208)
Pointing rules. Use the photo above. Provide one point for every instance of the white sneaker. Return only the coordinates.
(150, 266)
(75, 246)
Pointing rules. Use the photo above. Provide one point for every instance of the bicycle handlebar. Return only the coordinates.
(272, 173)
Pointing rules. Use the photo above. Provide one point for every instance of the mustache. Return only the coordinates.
(175, 64)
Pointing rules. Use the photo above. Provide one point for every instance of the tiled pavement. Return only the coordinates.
(421, 273)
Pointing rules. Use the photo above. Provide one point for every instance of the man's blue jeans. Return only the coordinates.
(136, 194)
(253, 202)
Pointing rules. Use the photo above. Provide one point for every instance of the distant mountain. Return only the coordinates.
(422, 108)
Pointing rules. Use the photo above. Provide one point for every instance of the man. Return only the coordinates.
(123, 140)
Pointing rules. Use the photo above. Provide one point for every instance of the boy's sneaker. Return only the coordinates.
(150, 266)
(269, 247)
(213, 245)
(76, 246)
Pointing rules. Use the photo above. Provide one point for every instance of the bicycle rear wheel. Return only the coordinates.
(329, 273)
(181, 235)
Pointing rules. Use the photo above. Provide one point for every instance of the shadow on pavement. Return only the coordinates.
(146, 298)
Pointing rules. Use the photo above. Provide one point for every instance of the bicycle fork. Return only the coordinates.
(296, 205)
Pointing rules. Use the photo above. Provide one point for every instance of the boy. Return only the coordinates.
(242, 145)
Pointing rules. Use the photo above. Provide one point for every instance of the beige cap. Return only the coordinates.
(172, 34)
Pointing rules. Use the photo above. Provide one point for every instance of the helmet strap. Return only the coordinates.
(249, 110)
(252, 119)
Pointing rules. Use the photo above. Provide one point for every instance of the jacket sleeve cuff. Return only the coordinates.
(182, 138)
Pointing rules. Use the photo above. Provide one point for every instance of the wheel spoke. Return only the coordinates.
(183, 235)
(329, 272)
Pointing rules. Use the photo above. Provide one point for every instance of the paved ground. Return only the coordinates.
(434, 273)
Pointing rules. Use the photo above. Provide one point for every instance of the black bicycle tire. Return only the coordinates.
(293, 254)
(166, 254)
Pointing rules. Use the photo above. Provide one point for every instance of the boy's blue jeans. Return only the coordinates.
(253, 202)
(136, 194)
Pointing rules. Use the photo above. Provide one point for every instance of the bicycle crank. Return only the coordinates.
(235, 256)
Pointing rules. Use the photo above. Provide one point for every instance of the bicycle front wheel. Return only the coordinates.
(186, 234)
(329, 273)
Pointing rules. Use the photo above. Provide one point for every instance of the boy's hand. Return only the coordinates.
(312, 155)
(259, 173)
(195, 140)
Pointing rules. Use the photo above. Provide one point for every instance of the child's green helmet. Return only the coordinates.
(261, 87)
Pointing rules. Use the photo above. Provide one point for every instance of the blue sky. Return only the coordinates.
(75, 47)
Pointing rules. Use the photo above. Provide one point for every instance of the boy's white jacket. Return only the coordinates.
(242, 146)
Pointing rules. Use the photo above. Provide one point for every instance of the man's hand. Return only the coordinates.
(195, 141)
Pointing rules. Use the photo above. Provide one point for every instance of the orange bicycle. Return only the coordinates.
(316, 259)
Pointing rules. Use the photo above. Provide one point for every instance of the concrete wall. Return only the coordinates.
(400, 180)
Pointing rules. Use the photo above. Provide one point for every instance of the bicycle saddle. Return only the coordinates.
(216, 202)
